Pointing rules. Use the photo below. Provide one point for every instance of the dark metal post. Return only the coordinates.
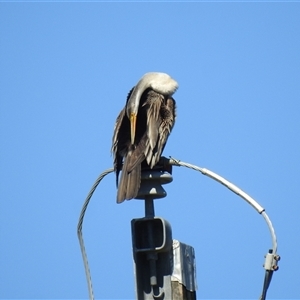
(161, 268)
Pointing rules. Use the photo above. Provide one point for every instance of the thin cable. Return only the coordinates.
(270, 269)
(272, 264)
(234, 189)
(272, 231)
(267, 281)
(79, 231)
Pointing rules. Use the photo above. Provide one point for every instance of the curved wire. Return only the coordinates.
(253, 203)
(79, 231)
(234, 189)
(267, 281)
(272, 231)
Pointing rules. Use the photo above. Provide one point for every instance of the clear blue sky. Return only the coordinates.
(66, 69)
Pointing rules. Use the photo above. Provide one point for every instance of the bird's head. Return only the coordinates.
(160, 82)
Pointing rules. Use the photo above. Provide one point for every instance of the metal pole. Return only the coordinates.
(162, 269)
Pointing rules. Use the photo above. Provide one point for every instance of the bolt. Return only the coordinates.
(275, 268)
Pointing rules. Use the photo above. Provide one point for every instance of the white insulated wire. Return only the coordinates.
(272, 231)
(237, 191)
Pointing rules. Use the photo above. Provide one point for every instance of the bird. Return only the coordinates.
(142, 129)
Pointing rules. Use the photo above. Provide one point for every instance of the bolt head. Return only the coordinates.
(275, 268)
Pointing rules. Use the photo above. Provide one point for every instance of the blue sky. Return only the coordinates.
(66, 69)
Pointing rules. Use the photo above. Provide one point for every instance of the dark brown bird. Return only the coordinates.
(142, 129)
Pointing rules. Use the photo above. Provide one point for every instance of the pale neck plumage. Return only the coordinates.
(160, 82)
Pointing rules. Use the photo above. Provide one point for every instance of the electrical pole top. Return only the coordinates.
(164, 268)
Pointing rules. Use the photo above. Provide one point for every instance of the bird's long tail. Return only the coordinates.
(130, 179)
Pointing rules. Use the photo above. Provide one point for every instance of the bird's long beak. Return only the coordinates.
(132, 126)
